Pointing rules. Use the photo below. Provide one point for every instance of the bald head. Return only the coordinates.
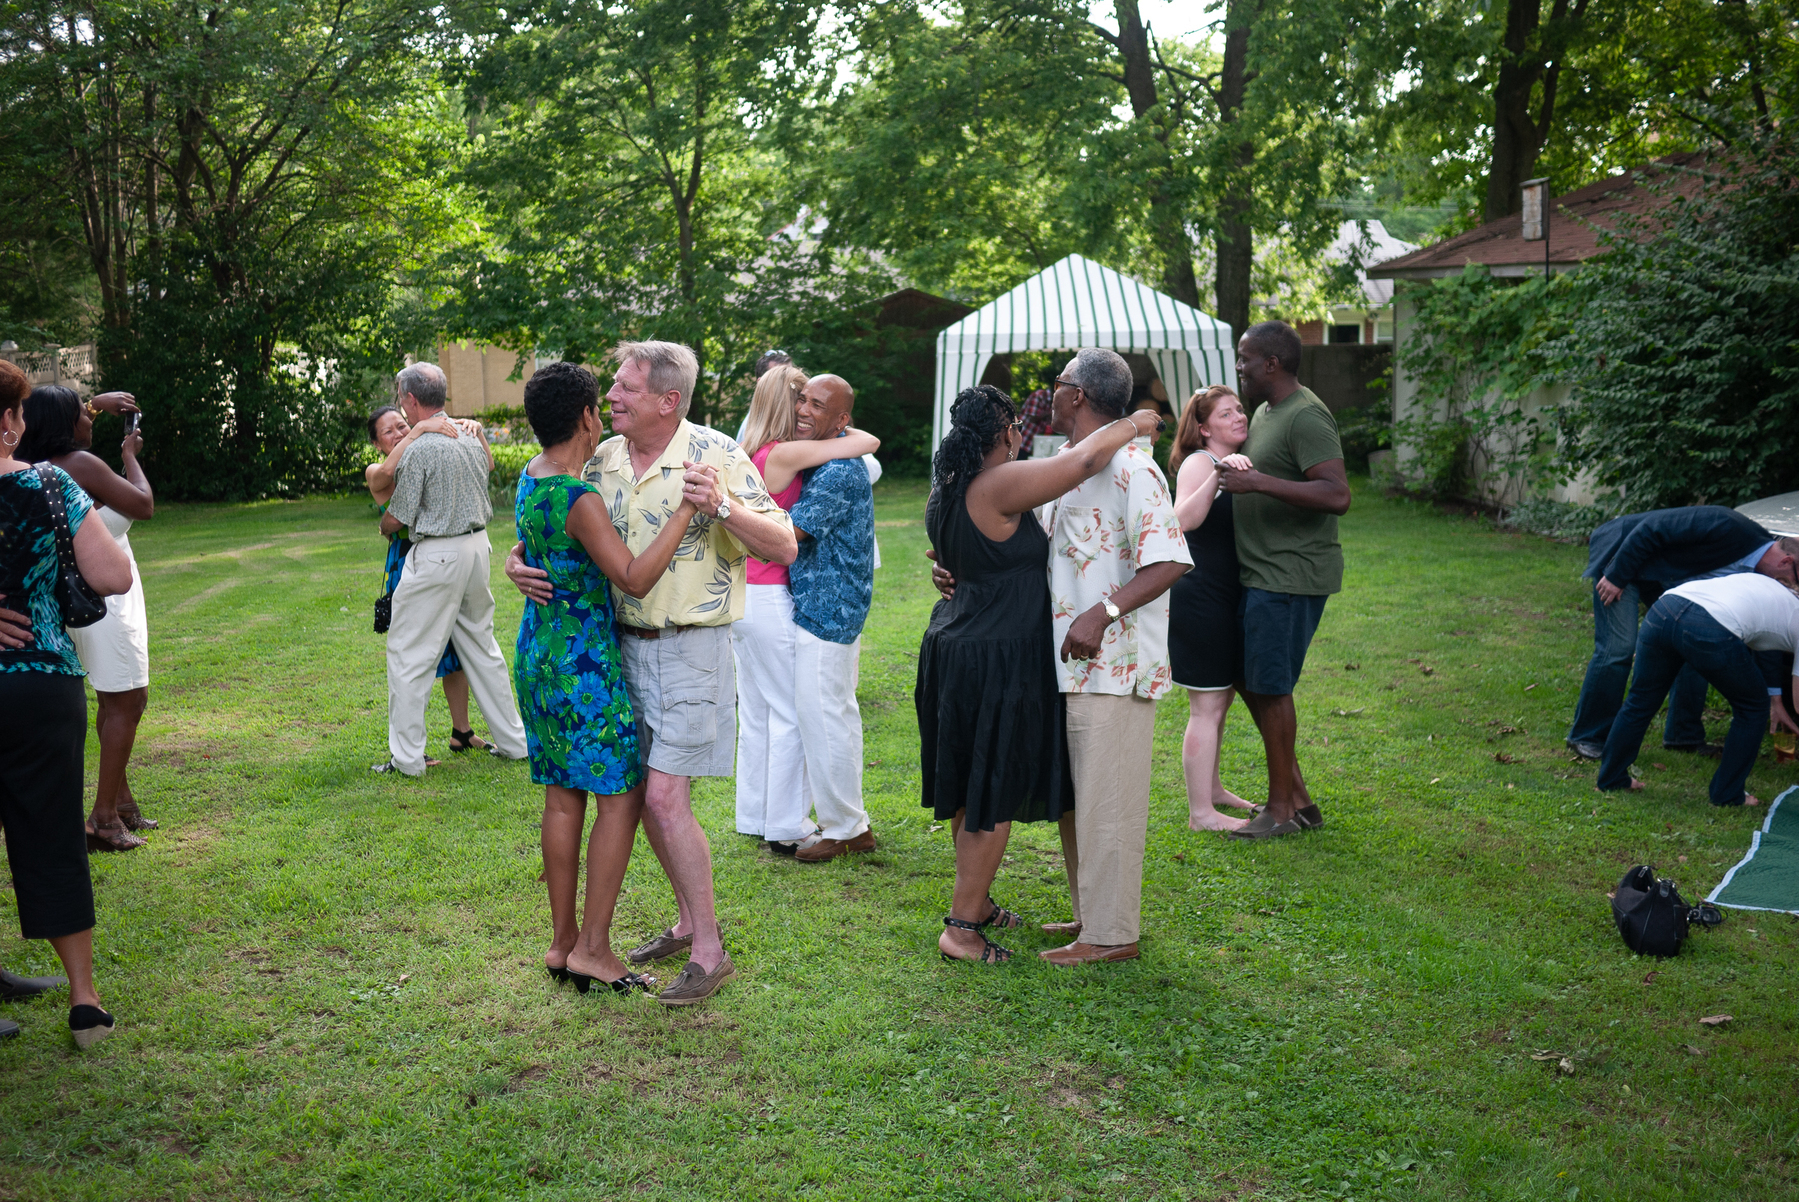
(823, 408)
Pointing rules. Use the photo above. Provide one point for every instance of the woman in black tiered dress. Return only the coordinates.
(989, 706)
(1205, 640)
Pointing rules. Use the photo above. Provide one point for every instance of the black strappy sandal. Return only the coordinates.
(1001, 917)
(465, 740)
(992, 953)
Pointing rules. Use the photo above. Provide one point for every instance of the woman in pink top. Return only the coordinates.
(772, 800)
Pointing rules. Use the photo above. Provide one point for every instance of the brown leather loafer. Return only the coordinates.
(696, 985)
(660, 948)
(1089, 953)
(830, 849)
(1062, 928)
(1265, 827)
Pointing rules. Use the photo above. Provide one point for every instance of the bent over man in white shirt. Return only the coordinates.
(1717, 626)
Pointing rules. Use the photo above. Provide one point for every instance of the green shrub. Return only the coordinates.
(1683, 349)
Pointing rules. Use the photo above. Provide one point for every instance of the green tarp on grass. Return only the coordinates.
(1768, 877)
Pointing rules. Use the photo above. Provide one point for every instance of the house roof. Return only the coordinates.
(1371, 241)
(1576, 222)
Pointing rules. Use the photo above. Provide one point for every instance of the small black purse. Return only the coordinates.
(80, 604)
(384, 605)
(1651, 914)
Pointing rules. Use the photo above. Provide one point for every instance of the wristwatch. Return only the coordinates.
(724, 510)
(1112, 613)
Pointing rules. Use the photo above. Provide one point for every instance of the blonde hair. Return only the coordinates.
(771, 410)
(1198, 411)
(671, 366)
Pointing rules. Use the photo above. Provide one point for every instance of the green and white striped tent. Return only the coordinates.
(1077, 303)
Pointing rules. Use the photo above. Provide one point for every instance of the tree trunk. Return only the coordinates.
(1233, 237)
(1515, 140)
(1167, 223)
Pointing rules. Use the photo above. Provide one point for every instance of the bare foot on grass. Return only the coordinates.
(1750, 799)
(1224, 797)
(1208, 819)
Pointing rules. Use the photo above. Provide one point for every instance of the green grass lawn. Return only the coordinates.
(329, 983)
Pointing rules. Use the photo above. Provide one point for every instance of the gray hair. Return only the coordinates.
(1104, 377)
(426, 383)
(672, 367)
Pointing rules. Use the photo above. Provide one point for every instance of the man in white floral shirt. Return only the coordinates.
(1116, 549)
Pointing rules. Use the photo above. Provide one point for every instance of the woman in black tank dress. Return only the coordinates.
(992, 746)
(1205, 640)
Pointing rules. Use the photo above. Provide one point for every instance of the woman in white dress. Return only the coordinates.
(115, 651)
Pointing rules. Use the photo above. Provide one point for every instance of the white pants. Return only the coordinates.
(771, 766)
(825, 677)
(444, 593)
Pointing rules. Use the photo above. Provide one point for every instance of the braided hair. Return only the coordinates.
(978, 419)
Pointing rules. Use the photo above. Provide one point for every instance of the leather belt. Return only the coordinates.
(418, 538)
(645, 632)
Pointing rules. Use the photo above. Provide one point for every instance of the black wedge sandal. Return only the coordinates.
(1001, 917)
(992, 953)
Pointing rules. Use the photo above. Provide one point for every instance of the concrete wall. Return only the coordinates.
(477, 377)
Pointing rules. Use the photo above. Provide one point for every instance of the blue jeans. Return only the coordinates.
(1678, 634)
(1602, 692)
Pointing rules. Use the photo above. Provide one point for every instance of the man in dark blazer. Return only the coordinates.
(1632, 560)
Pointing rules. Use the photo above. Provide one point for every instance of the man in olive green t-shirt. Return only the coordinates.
(1285, 509)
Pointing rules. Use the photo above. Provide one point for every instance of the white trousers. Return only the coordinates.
(771, 766)
(825, 678)
(444, 593)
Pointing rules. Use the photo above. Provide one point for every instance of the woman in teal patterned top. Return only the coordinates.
(579, 726)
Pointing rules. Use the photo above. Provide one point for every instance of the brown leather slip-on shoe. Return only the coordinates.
(1062, 928)
(695, 985)
(830, 849)
(1265, 827)
(660, 948)
(1089, 953)
(1310, 817)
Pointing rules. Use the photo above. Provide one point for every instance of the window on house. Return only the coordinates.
(1346, 333)
(1383, 330)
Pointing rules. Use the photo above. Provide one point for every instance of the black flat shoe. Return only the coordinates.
(13, 986)
(89, 1025)
(8, 1028)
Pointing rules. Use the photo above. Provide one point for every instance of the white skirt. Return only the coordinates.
(116, 649)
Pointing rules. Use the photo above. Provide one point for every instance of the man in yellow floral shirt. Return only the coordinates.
(676, 640)
(1116, 549)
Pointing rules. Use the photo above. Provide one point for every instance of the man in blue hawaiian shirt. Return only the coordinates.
(832, 582)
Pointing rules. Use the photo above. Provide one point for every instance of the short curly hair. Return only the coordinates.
(555, 398)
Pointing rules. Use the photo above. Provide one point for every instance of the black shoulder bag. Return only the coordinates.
(384, 604)
(81, 605)
(1652, 916)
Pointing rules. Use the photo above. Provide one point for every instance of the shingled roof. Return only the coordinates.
(1576, 222)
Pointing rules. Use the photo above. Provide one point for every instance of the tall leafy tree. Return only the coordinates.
(984, 142)
(633, 187)
(246, 181)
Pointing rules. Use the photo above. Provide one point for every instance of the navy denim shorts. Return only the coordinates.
(1277, 629)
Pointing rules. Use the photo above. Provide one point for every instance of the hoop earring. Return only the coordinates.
(8, 445)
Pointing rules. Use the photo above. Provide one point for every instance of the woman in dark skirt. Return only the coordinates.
(1205, 641)
(989, 707)
(44, 699)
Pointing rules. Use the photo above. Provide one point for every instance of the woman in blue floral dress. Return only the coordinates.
(579, 725)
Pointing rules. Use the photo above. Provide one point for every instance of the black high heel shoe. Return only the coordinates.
(624, 984)
(557, 972)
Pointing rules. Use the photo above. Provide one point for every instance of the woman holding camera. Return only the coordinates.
(46, 707)
(115, 651)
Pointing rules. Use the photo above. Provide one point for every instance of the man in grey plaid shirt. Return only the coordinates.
(440, 496)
